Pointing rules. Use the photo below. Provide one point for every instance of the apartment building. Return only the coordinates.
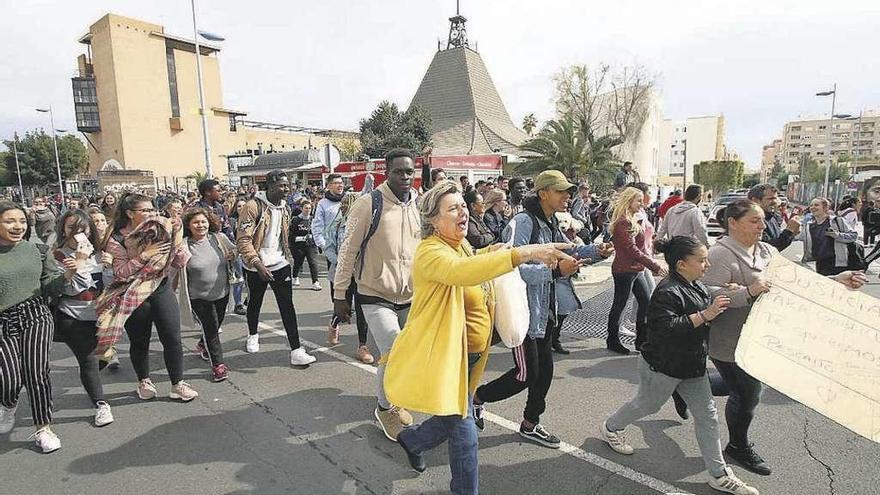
(688, 142)
(820, 139)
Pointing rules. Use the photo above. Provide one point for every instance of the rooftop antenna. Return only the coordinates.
(457, 30)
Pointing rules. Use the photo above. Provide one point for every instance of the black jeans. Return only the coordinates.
(533, 370)
(210, 315)
(745, 395)
(361, 322)
(283, 296)
(557, 329)
(81, 337)
(624, 285)
(162, 309)
(303, 251)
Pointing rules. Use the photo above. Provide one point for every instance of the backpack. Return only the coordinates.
(375, 216)
(855, 251)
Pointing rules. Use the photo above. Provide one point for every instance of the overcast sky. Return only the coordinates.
(328, 63)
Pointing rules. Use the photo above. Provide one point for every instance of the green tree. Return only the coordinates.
(719, 175)
(562, 145)
(388, 128)
(529, 123)
(37, 158)
(750, 180)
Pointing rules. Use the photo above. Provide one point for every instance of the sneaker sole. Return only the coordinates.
(181, 398)
(149, 397)
(539, 441)
(222, 379)
(382, 426)
(43, 450)
(103, 424)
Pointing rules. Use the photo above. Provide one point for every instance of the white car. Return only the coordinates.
(712, 225)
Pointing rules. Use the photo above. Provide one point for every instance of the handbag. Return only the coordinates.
(511, 309)
(231, 275)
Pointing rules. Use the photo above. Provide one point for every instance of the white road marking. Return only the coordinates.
(588, 457)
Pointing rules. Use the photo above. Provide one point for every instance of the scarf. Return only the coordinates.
(120, 300)
(334, 197)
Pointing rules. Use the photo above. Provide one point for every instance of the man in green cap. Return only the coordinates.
(551, 297)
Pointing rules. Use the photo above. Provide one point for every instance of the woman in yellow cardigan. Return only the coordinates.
(438, 358)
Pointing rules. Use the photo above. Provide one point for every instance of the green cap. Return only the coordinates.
(553, 179)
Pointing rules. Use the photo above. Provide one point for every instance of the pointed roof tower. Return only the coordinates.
(467, 114)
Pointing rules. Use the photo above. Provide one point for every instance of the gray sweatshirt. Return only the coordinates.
(733, 263)
(685, 219)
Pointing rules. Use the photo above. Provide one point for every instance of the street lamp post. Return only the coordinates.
(833, 95)
(208, 169)
(17, 166)
(55, 144)
(684, 175)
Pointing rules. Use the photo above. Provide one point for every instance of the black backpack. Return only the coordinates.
(375, 216)
(855, 251)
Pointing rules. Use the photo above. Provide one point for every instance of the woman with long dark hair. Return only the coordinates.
(207, 277)
(77, 246)
(26, 326)
(108, 204)
(145, 249)
(674, 359)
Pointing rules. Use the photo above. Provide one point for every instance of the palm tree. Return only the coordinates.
(529, 123)
(563, 145)
(558, 146)
(198, 177)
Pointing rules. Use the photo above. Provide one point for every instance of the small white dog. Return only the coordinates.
(570, 226)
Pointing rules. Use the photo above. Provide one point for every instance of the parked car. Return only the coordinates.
(712, 225)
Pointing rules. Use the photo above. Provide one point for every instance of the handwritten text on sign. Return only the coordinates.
(818, 342)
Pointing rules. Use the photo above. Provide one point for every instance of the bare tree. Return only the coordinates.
(605, 100)
(630, 100)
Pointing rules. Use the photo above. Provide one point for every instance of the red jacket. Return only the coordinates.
(669, 203)
(628, 255)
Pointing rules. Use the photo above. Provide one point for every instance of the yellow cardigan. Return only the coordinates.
(426, 369)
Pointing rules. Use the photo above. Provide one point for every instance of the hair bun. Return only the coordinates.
(661, 245)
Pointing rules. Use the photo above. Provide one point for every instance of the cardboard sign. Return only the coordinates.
(818, 342)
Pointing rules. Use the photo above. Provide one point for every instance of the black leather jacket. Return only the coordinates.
(674, 347)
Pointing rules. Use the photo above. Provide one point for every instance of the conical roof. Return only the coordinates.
(467, 114)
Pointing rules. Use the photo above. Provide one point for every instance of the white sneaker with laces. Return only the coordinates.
(616, 440)
(296, 281)
(7, 419)
(729, 483)
(183, 392)
(316, 285)
(299, 357)
(47, 440)
(146, 390)
(103, 415)
(253, 343)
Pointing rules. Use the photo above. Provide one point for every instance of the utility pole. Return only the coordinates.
(17, 166)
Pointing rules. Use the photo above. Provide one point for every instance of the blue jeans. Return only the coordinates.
(463, 445)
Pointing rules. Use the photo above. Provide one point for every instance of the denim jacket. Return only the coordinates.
(537, 276)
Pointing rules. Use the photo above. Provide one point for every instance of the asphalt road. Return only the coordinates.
(272, 429)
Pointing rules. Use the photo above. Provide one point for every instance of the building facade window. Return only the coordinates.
(172, 81)
(233, 124)
(85, 104)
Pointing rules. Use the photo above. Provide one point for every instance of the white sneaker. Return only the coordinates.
(729, 483)
(616, 440)
(47, 440)
(183, 392)
(299, 357)
(296, 281)
(253, 343)
(7, 419)
(626, 332)
(103, 415)
(316, 285)
(146, 390)
(219, 330)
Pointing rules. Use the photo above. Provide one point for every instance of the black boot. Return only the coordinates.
(748, 459)
(614, 345)
(558, 348)
(416, 461)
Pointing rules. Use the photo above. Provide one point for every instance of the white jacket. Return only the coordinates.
(684, 218)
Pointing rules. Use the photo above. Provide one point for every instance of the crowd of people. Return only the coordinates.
(416, 267)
